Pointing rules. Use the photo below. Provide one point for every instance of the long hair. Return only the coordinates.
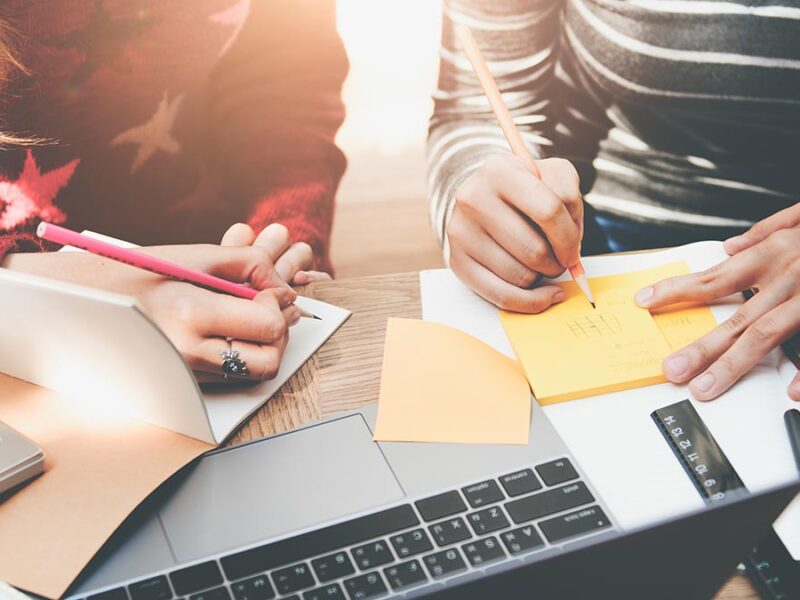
(8, 64)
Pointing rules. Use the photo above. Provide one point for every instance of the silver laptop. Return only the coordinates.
(325, 513)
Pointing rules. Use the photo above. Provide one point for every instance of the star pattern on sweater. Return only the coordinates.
(155, 134)
(103, 41)
(32, 194)
(234, 16)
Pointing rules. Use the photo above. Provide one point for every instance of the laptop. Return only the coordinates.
(325, 513)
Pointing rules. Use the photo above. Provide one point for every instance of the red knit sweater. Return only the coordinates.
(173, 119)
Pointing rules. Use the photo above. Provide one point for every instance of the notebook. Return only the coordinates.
(99, 345)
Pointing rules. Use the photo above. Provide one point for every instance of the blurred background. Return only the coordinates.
(381, 223)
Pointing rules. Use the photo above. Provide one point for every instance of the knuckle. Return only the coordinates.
(737, 323)
(710, 276)
(729, 365)
(523, 277)
(500, 298)
(534, 251)
(784, 240)
(702, 352)
(259, 255)
(270, 366)
(549, 209)
(763, 332)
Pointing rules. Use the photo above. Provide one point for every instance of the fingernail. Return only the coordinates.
(675, 366)
(559, 296)
(644, 295)
(704, 383)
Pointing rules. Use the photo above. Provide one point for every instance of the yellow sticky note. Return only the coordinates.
(572, 350)
(439, 384)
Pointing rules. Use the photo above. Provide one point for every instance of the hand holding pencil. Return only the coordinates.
(515, 219)
(178, 287)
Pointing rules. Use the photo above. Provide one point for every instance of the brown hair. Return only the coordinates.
(9, 63)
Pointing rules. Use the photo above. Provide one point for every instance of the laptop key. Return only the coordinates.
(115, 594)
(319, 541)
(405, 574)
(442, 505)
(557, 471)
(449, 532)
(546, 503)
(575, 523)
(332, 591)
(520, 482)
(155, 588)
(196, 577)
(411, 543)
(446, 562)
(372, 555)
(291, 579)
(483, 551)
(483, 493)
(255, 588)
(365, 587)
(333, 566)
(220, 593)
(522, 540)
(487, 520)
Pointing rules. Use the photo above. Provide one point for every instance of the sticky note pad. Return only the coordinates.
(439, 384)
(572, 350)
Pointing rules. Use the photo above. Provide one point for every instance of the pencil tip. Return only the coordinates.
(317, 318)
(593, 306)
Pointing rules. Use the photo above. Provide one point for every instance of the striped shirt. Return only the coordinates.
(681, 116)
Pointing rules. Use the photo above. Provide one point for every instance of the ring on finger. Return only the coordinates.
(231, 363)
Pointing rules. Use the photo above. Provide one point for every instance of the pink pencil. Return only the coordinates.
(67, 237)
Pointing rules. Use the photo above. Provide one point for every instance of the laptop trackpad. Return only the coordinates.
(260, 490)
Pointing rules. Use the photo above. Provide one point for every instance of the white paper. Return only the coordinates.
(613, 436)
(227, 407)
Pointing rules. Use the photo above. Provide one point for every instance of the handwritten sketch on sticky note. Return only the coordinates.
(572, 350)
(592, 325)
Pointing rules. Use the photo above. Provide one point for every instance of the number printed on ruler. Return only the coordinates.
(699, 454)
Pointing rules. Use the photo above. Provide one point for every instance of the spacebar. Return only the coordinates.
(319, 541)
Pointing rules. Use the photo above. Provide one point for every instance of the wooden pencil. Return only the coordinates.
(500, 109)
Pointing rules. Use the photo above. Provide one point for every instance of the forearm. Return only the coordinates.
(519, 41)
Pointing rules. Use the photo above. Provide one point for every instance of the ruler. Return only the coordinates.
(770, 566)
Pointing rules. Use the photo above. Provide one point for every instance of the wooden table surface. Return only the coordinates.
(345, 373)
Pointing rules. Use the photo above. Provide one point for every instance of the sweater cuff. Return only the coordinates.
(307, 212)
(23, 241)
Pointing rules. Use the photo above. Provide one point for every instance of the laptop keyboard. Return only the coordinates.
(396, 549)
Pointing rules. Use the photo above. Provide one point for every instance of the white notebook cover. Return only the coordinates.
(99, 347)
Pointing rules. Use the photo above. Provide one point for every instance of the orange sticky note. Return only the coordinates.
(439, 384)
(572, 351)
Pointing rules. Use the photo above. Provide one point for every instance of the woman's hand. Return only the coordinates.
(770, 265)
(509, 228)
(196, 320)
(292, 261)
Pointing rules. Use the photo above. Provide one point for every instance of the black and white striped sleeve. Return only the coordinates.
(519, 40)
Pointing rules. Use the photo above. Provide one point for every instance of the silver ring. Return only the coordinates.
(231, 363)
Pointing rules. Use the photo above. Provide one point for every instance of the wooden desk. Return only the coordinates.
(345, 373)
